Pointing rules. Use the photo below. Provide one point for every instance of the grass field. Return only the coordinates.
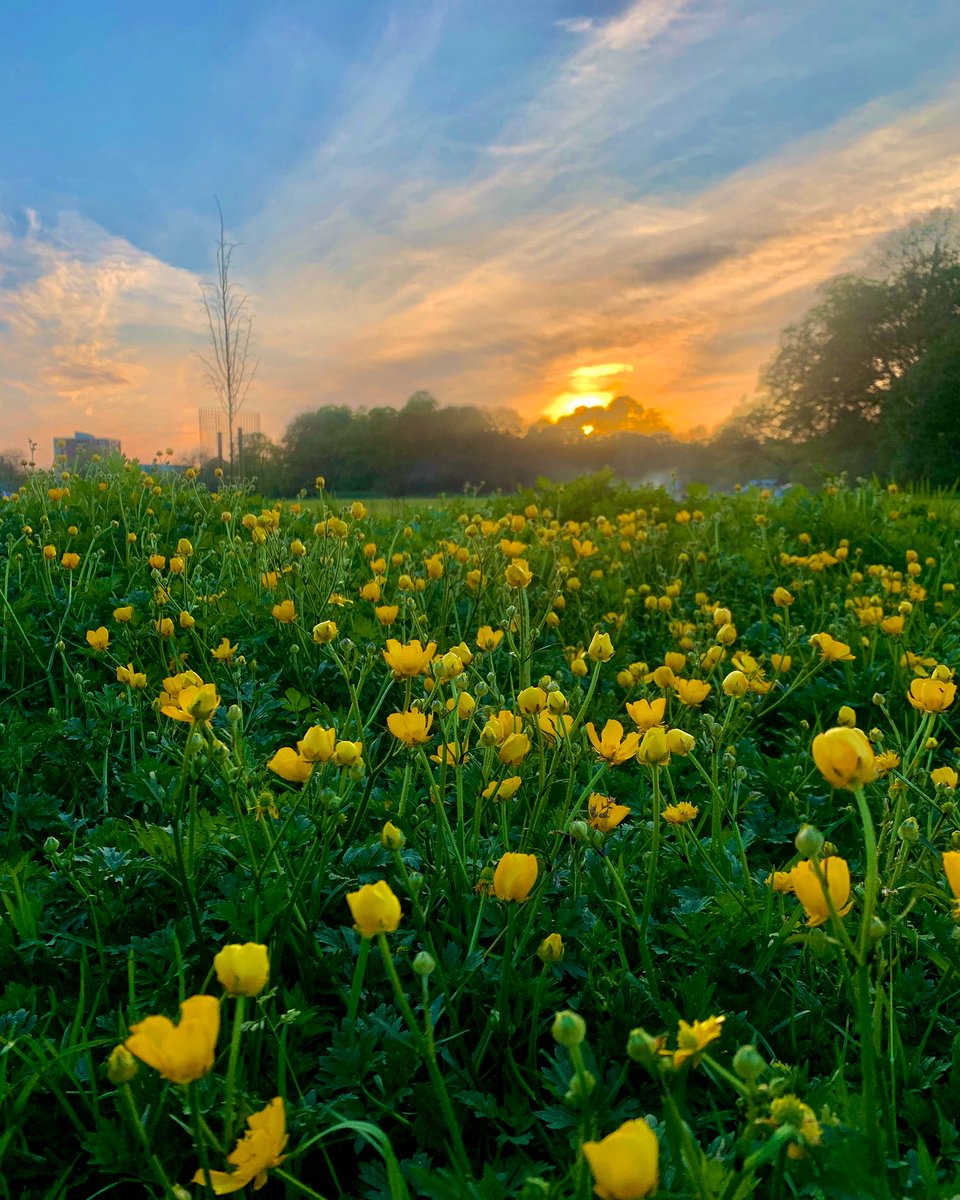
(569, 843)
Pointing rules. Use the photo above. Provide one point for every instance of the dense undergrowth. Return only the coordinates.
(209, 739)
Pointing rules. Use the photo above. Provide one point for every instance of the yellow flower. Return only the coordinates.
(243, 969)
(347, 753)
(790, 1110)
(505, 789)
(680, 814)
(123, 614)
(164, 627)
(810, 891)
(514, 876)
(600, 648)
(70, 560)
(951, 868)
(782, 598)
(691, 692)
(532, 700)
(290, 765)
(612, 745)
(386, 614)
(284, 612)
(192, 702)
(324, 632)
(489, 639)
(132, 678)
(156, 562)
(412, 727)
(654, 750)
(844, 757)
(551, 949)
(183, 1052)
(224, 652)
(691, 1039)
(317, 744)
(605, 813)
(374, 908)
(780, 881)
(626, 1163)
(554, 725)
(932, 695)
(735, 684)
(830, 649)
(98, 639)
(944, 777)
(49, 553)
(260, 1149)
(408, 661)
(781, 663)
(646, 713)
(518, 573)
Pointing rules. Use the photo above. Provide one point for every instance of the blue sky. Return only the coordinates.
(477, 198)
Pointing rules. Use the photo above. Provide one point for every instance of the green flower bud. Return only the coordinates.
(569, 1028)
(909, 831)
(748, 1064)
(809, 841)
(424, 964)
(121, 1065)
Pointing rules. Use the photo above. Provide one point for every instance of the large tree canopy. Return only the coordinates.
(834, 375)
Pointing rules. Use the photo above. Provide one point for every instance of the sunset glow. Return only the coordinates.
(627, 217)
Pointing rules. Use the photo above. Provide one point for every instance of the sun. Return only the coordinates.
(568, 402)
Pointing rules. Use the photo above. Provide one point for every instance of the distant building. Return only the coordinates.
(82, 447)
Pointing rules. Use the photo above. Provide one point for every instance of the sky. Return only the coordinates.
(526, 205)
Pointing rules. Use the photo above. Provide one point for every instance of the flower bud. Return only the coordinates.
(846, 717)
(551, 949)
(643, 1048)
(121, 1065)
(809, 841)
(50, 846)
(578, 830)
(749, 1064)
(424, 964)
(391, 838)
(909, 831)
(569, 1028)
(574, 1094)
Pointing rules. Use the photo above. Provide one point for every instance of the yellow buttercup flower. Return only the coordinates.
(691, 692)
(182, 1052)
(386, 614)
(944, 777)
(612, 745)
(518, 573)
(844, 757)
(647, 713)
(408, 661)
(513, 749)
(98, 639)
(375, 909)
(318, 744)
(951, 868)
(932, 695)
(132, 678)
(810, 891)
(830, 649)
(604, 813)
(691, 1039)
(258, 1151)
(284, 612)
(489, 639)
(243, 969)
(224, 652)
(505, 789)
(192, 702)
(123, 614)
(514, 876)
(626, 1163)
(290, 765)
(412, 728)
(600, 648)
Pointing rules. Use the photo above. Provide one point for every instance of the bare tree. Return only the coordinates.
(230, 370)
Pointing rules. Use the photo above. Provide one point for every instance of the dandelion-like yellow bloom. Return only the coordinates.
(681, 813)
(691, 1039)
